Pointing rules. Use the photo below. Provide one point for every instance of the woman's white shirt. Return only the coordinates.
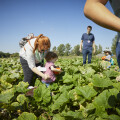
(28, 54)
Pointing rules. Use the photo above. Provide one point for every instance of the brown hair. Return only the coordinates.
(50, 55)
(41, 43)
(89, 27)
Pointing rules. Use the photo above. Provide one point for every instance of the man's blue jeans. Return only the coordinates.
(85, 53)
(118, 53)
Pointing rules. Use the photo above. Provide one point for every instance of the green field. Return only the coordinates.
(80, 93)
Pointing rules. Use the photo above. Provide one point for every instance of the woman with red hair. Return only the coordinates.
(32, 55)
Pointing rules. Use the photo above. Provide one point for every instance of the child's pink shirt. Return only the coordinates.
(49, 72)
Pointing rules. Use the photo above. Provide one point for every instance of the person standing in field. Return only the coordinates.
(98, 13)
(88, 42)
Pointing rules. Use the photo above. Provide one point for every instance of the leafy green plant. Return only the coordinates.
(79, 93)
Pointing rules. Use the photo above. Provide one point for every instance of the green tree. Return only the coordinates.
(113, 47)
(100, 49)
(72, 52)
(4, 55)
(67, 49)
(96, 48)
(61, 49)
(14, 55)
(54, 49)
(76, 50)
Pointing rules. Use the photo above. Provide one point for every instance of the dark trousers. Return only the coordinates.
(28, 73)
(118, 53)
(85, 53)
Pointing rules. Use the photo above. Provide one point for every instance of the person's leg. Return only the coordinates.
(28, 73)
(47, 84)
(84, 52)
(89, 56)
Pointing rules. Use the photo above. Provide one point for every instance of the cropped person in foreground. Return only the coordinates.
(98, 13)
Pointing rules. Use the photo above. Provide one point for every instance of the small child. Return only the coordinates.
(108, 55)
(50, 57)
(107, 59)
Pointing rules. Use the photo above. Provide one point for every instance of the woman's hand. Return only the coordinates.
(46, 77)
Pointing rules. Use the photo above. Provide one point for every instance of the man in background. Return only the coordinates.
(87, 41)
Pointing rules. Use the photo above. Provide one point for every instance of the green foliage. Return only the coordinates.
(67, 49)
(98, 49)
(99, 81)
(6, 95)
(61, 49)
(76, 50)
(58, 117)
(79, 93)
(113, 47)
(63, 99)
(27, 116)
(6, 55)
(42, 93)
(21, 87)
(21, 99)
(86, 91)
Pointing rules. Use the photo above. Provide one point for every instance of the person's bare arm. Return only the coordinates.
(44, 76)
(94, 46)
(107, 59)
(97, 12)
(81, 45)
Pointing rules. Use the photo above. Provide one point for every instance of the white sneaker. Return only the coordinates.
(30, 87)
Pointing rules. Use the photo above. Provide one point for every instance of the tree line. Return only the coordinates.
(66, 50)
(6, 55)
(61, 50)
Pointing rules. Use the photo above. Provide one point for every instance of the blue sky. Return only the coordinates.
(62, 21)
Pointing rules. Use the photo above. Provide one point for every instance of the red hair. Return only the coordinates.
(41, 43)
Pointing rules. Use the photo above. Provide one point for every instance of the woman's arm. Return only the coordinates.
(97, 12)
(44, 76)
(31, 63)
